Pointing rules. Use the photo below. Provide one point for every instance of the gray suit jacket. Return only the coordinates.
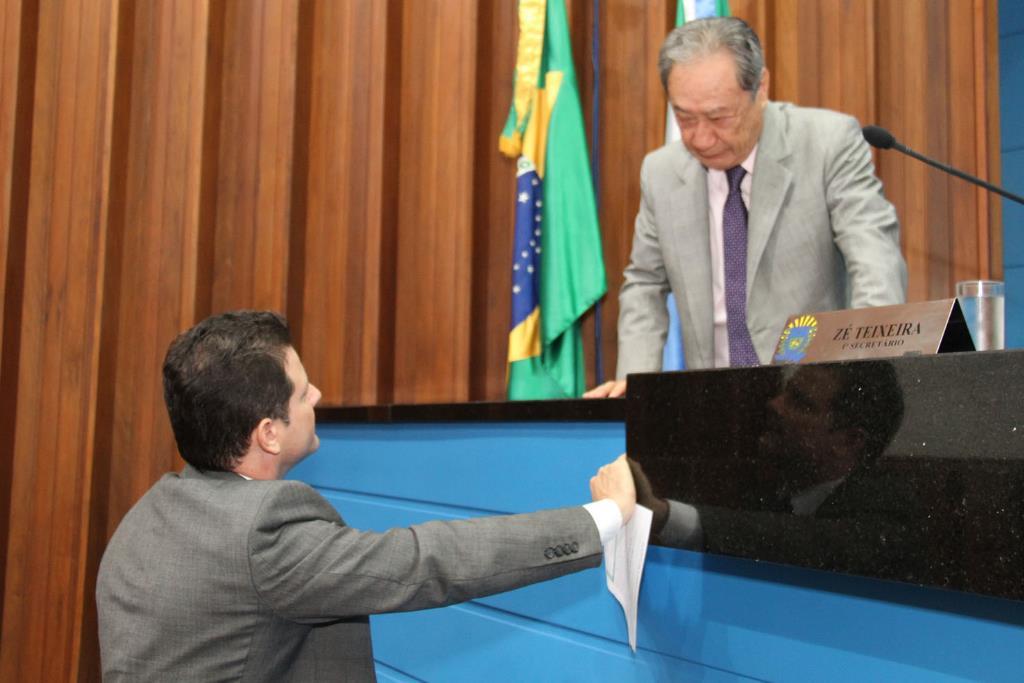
(212, 577)
(821, 236)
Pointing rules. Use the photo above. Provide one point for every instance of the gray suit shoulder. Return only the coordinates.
(798, 115)
(664, 158)
(289, 500)
(222, 502)
(814, 127)
(817, 139)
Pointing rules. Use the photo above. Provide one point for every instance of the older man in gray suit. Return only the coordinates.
(226, 572)
(765, 210)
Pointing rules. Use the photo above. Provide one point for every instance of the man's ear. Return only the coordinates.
(266, 437)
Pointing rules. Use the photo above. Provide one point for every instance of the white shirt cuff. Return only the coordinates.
(607, 517)
(683, 527)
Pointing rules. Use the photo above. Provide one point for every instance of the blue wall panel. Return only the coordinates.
(550, 464)
(1013, 213)
(1011, 114)
(1011, 17)
(1014, 277)
(1011, 89)
(702, 617)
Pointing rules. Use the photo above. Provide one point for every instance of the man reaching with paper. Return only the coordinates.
(227, 571)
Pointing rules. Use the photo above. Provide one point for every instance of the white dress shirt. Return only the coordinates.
(607, 517)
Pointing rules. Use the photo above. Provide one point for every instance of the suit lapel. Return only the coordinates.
(689, 243)
(771, 182)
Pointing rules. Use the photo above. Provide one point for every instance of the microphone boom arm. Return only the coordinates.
(959, 174)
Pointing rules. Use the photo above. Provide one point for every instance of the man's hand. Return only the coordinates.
(611, 389)
(615, 481)
(645, 496)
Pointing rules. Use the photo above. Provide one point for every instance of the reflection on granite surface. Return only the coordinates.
(908, 469)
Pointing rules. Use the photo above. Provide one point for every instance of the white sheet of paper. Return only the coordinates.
(624, 566)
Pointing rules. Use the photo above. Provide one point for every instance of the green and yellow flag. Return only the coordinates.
(558, 267)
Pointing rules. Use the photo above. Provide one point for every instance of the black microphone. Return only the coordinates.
(882, 139)
(878, 137)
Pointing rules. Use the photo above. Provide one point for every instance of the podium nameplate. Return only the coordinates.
(923, 328)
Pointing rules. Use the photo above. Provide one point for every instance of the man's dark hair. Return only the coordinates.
(220, 379)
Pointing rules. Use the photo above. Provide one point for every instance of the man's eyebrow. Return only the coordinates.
(717, 111)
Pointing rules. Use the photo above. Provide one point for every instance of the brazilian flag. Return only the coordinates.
(558, 267)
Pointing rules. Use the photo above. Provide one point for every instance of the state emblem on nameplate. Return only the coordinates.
(795, 339)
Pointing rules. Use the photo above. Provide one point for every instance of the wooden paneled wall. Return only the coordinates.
(337, 160)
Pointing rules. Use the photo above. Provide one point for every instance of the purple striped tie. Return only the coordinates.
(734, 238)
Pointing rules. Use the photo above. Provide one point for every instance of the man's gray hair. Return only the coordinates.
(703, 37)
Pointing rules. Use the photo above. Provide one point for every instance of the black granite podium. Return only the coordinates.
(910, 469)
(923, 489)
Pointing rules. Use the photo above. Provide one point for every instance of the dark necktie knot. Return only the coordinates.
(735, 177)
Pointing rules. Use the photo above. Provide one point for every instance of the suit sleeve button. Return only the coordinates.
(549, 553)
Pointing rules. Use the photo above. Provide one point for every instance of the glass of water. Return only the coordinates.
(983, 304)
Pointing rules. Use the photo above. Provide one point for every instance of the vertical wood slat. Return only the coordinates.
(59, 343)
(783, 57)
(902, 86)
(980, 83)
(101, 497)
(991, 230)
(844, 77)
(633, 33)
(159, 234)
(151, 256)
(941, 195)
(346, 225)
(13, 91)
(923, 85)
(434, 241)
(941, 234)
(493, 213)
(254, 179)
(760, 14)
(10, 52)
(965, 201)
